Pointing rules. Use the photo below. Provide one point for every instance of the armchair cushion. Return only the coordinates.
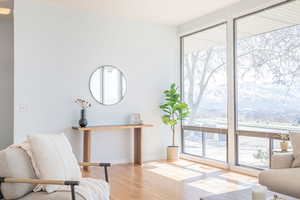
(282, 160)
(54, 158)
(15, 163)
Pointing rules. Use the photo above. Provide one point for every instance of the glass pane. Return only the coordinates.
(253, 151)
(192, 143)
(204, 74)
(216, 146)
(112, 90)
(268, 57)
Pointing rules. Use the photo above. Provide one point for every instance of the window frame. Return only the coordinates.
(238, 132)
(197, 128)
(204, 131)
(232, 129)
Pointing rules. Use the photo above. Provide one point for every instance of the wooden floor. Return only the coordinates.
(182, 180)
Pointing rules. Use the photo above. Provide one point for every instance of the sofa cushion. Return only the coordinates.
(285, 181)
(54, 158)
(51, 196)
(15, 163)
(295, 140)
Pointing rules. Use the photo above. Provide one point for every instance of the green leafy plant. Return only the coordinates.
(174, 109)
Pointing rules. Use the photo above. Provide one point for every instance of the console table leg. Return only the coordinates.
(87, 143)
(138, 146)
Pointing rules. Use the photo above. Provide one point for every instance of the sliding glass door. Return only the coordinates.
(205, 91)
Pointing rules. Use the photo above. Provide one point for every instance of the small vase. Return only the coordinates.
(284, 146)
(83, 122)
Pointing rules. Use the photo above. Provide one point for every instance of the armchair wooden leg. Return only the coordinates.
(72, 184)
(1, 181)
(73, 192)
(105, 165)
(106, 173)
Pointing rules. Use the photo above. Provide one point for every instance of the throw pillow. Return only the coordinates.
(54, 158)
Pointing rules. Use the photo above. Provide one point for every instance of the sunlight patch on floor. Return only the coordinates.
(155, 164)
(182, 163)
(173, 172)
(217, 186)
(196, 166)
(240, 178)
(203, 168)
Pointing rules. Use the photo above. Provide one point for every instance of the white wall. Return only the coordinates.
(56, 50)
(6, 81)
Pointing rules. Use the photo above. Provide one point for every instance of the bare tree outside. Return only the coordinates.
(205, 91)
(268, 92)
(200, 70)
(272, 57)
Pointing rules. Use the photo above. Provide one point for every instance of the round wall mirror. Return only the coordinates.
(108, 85)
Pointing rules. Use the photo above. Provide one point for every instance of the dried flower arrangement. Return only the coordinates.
(83, 103)
(284, 136)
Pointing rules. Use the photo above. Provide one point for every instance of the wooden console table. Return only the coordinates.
(138, 139)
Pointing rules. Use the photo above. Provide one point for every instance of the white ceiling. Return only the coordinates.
(269, 20)
(167, 12)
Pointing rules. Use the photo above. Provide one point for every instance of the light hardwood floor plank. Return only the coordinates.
(161, 180)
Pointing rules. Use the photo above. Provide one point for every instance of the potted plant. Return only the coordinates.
(174, 111)
(284, 145)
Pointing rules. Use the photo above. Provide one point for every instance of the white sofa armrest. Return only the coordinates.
(282, 160)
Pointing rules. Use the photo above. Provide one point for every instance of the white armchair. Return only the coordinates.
(18, 178)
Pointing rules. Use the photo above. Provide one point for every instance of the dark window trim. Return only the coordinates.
(259, 134)
(205, 129)
(204, 29)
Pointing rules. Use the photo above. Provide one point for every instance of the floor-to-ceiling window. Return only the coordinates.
(268, 80)
(266, 95)
(205, 91)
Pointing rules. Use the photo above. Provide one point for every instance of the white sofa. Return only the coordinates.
(281, 177)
